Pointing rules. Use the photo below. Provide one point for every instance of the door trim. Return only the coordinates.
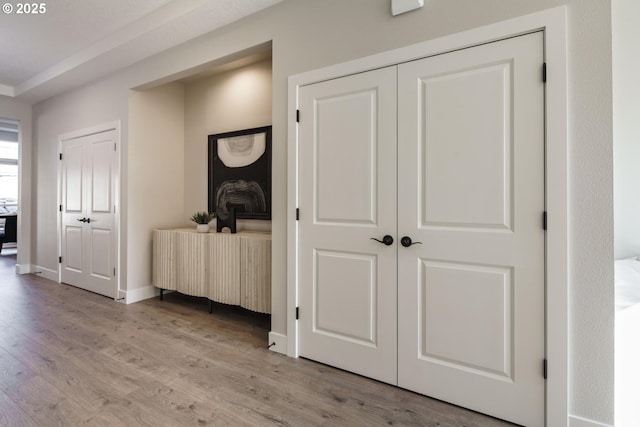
(553, 22)
(105, 127)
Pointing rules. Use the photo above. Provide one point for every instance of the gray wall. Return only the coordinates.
(155, 184)
(233, 100)
(308, 34)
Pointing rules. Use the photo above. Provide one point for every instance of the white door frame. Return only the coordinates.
(553, 23)
(25, 195)
(105, 127)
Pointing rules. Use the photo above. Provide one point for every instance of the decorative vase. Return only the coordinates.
(202, 228)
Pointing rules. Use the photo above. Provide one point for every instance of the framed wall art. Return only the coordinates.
(240, 173)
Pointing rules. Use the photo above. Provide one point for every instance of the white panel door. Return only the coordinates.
(471, 191)
(347, 197)
(88, 214)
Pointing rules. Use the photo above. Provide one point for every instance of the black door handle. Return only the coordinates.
(88, 220)
(386, 240)
(82, 219)
(406, 242)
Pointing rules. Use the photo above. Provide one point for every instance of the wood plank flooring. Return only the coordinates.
(72, 358)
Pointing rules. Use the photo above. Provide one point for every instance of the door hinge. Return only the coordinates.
(59, 260)
(544, 220)
(60, 155)
(297, 313)
(114, 146)
(297, 116)
(297, 214)
(114, 272)
(544, 368)
(60, 208)
(544, 72)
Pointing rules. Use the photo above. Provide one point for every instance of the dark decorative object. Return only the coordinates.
(226, 220)
(10, 232)
(240, 173)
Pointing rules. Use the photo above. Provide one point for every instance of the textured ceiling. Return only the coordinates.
(37, 48)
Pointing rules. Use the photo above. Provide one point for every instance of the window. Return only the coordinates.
(8, 176)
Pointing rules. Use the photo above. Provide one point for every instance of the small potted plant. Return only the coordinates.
(202, 221)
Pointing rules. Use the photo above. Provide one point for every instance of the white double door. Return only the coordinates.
(88, 213)
(448, 152)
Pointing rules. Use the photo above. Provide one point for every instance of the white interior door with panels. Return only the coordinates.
(471, 190)
(347, 197)
(459, 292)
(88, 234)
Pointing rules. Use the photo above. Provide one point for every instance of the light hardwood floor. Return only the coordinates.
(72, 358)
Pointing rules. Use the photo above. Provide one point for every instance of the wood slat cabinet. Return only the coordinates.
(223, 267)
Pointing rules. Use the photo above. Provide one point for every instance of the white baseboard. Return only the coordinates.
(280, 342)
(135, 295)
(24, 268)
(47, 273)
(575, 421)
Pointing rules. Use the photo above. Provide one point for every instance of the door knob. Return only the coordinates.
(88, 220)
(406, 242)
(386, 240)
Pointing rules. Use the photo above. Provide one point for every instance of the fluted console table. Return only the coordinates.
(223, 267)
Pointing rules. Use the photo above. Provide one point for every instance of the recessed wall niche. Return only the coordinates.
(169, 122)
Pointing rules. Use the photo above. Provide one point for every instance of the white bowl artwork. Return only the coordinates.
(240, 151)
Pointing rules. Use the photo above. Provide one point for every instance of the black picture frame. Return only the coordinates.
(240, 173)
